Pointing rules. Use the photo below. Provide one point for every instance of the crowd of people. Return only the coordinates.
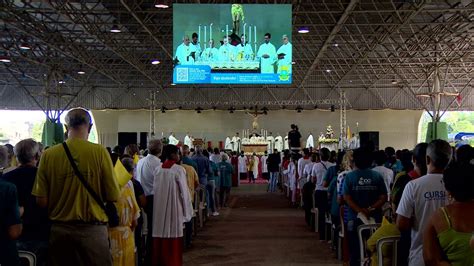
(78, 203)
(424, 196)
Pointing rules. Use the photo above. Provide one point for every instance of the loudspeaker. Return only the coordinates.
(369, 139)
(143, 140)
(125, 138)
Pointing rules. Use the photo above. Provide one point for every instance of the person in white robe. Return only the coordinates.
(284, 55)
(256, 163)
(263, 163)
(172, 140)
(310, 141)
(185, 52)
(228, 144)
(292, 180)
(187, 141)
(267, 55)
(243, 162)
(197, 47)
(271, 142)
(236, 142)
(244, 50)
(172, 207)
(286, 145)
(253, 139)
(211, 53)
(226, 51)
(279, 143)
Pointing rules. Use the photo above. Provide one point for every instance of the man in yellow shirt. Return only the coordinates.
(79, 232)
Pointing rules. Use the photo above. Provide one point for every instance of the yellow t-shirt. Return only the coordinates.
(68, 199)
(385, 230)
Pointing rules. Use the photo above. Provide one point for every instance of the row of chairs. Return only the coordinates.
(364, 233)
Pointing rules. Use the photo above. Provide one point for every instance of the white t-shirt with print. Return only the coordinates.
(420, 199)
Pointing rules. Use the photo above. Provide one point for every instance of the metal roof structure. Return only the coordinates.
(383, 54)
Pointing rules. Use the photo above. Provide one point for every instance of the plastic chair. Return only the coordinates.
(393, 240)
(314, 214)
(328, 226)
(341, 233)
(370, 228)
(27, 256)
(301, 183)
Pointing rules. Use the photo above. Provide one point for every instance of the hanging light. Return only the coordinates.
(25, 46)
(81, 71)
(299, 109)
(115, 29)
(161, 4)
(61, 82)
(5, 59)
(163, 109)
(155, 62)
(303, 29)
(333, 108)
(231, 110)
(394, 82)
(198, 110)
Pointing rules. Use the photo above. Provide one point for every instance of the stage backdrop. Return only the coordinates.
(397, 128)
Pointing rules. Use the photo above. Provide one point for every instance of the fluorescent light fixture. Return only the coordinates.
(161, 4)
(336, 45)
(328, 70)
(172, 84)
(115, 29)
(5, 59)
(25, 46)
(293, 62)
(155, 62)
(61, 82)
(394, 82)
(303, 30)
(81, 72)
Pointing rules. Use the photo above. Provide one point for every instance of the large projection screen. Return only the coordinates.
(232, 44)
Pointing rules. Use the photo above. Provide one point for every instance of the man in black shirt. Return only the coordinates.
(294, 139)
(36, 226)
(273, 166)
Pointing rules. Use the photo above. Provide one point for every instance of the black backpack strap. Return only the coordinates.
(82, 179)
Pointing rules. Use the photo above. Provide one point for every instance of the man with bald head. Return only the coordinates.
(185, 53)
(79, 224)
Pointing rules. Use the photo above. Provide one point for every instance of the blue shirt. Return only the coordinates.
(189, 161)
(365, 187)
(203, 168)
(10, 215)
(226, 170)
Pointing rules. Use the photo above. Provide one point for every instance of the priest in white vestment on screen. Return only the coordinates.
(244, 50)
(197, 47)
(211, 53)
(228, 144)
(267, 55)
(172, 140)
(284, 55)
(226, 51)
(172, 207)
(185, 52)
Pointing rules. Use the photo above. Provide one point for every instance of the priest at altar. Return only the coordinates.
(172, 140)
(310, 141)
(228, 144)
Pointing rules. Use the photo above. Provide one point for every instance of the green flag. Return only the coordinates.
(53, 133)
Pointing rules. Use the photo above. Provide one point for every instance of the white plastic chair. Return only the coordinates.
(393, 240)
(371, 228)
(27, 256)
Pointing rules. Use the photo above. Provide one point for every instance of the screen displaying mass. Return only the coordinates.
(232, 44)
